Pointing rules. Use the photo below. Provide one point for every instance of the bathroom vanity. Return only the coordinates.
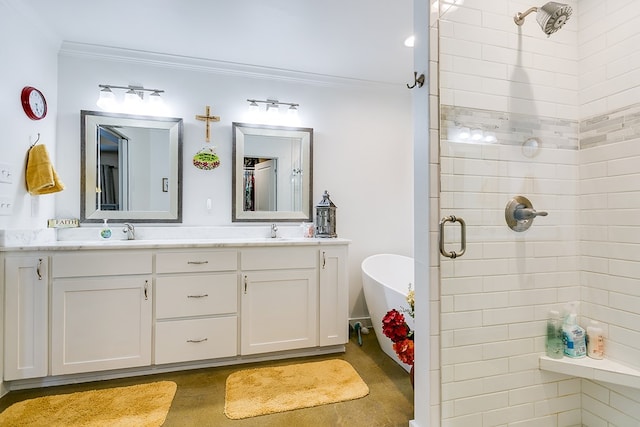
(92, 310)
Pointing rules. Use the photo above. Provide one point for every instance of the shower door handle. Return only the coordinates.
(463, 237)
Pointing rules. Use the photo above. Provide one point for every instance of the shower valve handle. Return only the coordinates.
(522, 213)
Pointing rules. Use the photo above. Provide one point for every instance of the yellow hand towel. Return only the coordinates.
(41, 177)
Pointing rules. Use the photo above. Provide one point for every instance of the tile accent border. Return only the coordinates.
(512, 128)
(618, 125)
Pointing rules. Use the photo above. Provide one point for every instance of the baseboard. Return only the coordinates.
(175, 367)
(365, 321)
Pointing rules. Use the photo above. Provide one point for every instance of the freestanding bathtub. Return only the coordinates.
(385, 280)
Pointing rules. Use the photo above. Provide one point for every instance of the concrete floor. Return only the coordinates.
(199, 400)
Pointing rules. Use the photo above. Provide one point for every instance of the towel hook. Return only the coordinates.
(37, 139)
(418, 80)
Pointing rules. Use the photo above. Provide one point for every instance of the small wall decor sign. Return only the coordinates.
(206, 159)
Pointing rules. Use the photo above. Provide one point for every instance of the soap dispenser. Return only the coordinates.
(573, 334)
(105, 231)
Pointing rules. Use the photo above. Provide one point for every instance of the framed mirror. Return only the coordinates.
(131, 168)
(272, 173)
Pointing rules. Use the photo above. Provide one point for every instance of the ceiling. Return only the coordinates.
(360, 39)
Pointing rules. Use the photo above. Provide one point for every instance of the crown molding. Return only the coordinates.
(107, 53)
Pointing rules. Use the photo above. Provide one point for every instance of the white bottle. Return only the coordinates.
(595, 341)
(105, 231)
(574, 337)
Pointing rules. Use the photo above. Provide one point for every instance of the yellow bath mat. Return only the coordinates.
(262, 391)
(143, 405)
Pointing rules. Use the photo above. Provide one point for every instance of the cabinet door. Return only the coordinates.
(26, 316)
(334, 296)
(279, 310)
(100, 323)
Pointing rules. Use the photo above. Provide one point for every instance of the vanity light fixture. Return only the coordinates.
(133, 99)
(272, 106)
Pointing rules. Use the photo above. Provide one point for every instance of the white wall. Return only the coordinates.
(30, 59)
(362, 141)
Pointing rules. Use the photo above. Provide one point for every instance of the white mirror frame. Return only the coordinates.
(240, 130)
(89, 122)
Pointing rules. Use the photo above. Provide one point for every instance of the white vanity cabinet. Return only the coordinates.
(26, 318)
(196, 300)
(279, 299)
(133, 308)
(101, 306)
(334, 295)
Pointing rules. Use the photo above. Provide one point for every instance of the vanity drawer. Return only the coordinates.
(111, 263)
(196, 339)
(278, 258)
(198, 295)
(185, 262)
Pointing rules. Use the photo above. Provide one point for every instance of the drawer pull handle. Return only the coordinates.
(197, 262)
(198, 340)
(198, 296)
(38, 272)
(245, 284)
(146, 290)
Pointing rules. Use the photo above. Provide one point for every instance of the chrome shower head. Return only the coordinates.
(551, 17)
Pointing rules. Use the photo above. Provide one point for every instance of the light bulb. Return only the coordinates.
(465, 133)
(132, 99)
(272, 109)
(476, 134)
(107, 99)
(155, 99)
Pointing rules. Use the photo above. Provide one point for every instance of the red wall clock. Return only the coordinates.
(34, 103)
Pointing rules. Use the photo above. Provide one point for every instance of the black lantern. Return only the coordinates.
(326, 217)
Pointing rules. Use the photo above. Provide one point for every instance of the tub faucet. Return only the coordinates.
(274, 231)
(130, 230)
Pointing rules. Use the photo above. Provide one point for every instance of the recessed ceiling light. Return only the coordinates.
(410, 41)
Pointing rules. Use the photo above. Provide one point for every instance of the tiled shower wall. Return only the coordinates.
(494, 299)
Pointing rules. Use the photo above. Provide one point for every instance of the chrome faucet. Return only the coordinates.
(274, 231)
(130, 230)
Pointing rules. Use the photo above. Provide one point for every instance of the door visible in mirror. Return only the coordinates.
(272, 173)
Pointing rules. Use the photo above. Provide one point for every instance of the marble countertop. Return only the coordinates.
(154, 237)
(66, 245)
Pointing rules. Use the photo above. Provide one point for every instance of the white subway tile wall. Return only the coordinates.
(566, 119)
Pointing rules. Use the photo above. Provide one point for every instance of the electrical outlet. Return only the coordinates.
(6, 205)
(6, 173)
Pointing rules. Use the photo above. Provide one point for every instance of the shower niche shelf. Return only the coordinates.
(597, 370)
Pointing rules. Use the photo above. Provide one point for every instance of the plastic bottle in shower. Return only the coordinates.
(595, 341)
(555, 345)
(574, 337)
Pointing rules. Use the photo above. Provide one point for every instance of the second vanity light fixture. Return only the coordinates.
(272, 106)
(133, 100)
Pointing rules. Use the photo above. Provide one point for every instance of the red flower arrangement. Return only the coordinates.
(395, 327)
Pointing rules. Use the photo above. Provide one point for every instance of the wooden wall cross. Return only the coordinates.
(207, 119)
